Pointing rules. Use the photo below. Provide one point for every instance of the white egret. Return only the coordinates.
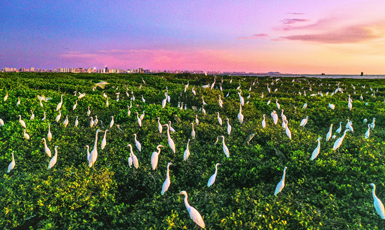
(225, 149)
(268, 103)
(76, 122)
(1, 122)
(196, 119)
(203, 110)
(107, 103)
(187, 151)
(214, 176)
(377, 203)
(13, 163)
(137, 143)
(60, 103)
(276, 102)
(49, 134)
(94, 152)
(54, 159)
(144, 100)
(349, 125)
(167, 182)
(367, 132)
(332, 106)
(138, 119)
(96, 120)
(283, 116)
(155, 157)
(365, 121)
(76, 104)
(264, 121)
(112, 121)
(134, 159)
(350, 105)
(219, 119)
(193, 91)
(88, 152)
(338, 142)
(160, 127)
(65, 123)
(228, 126)
(220, 101)
(193, 134)
(288, 132)
(44, 116)
(104, 141)
(194, 214)
(164, 102)
(92, 122)
(128, 110)
(304, 121)
(22, 123)
(275, 117)
(6, 96)
(171, 128)
(316, 150)
(46, 149)
(304, 105)
(170, 141)
(18, 101)
(32, 115)
(81, 95)
(26, 136)
(142, 115)
(373, 123)
(340, 128)
(240, 115)
(241, 99)
(58, 116)
(88, 111)
(203, 101)
(281, 184)
(329, 134)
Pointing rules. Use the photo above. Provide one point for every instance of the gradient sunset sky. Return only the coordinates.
(289, 36)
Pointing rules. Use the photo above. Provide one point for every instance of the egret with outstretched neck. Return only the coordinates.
(377, 203)
(187, 151)
(338, 142)
(46, 149)
(12, 164)
(137, 143)
(281, 184)
(167, 182)
(22, 123)
(194, 214)
(104, 141)
(133, 158)
(317, 149)
(170, 141)
(54, 159)
(214, 176)
(94, 152)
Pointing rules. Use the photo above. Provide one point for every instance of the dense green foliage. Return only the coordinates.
(331, 192)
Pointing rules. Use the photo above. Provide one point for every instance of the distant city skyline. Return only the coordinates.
(287, 36)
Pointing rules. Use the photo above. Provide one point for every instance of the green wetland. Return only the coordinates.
(330, 192)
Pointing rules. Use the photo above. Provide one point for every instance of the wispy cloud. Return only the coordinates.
(293, 20)
(255, 36)
(350, 34)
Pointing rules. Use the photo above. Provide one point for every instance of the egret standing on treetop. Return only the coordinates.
(338, 142)
(187, 151)
(228, 126)
(160, 127)
(26, 136)
(193, 134)
(60, 103)
(22, 123)
(219, 119)
(275, 117)
(76, 121)
(194, 214)
(329, 134)
(317, 149)
(240, 115)
(214, 176)
(340, 128)
(225, 149)
(54, 159)
(94, 152)
(377, 203)
(137, 143)
(304, 121)
(288, 132)
(46, 149)
(12, 164)
(281, 184)
(58, 116)
(170, 141)
(133, 158)
(112, 121)
(367, 132)
(167, 182)
(155, 157)
(264, 121)
(104, 141)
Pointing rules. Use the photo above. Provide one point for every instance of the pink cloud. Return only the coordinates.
(255, 36)
(351, 34)
(293, 20)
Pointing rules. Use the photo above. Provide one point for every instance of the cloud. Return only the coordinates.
(255, 36)
(296, 13)
(293, 20)
(351, 34)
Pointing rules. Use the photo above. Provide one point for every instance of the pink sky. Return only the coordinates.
(297, 36)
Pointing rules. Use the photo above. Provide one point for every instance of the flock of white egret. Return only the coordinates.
(133, 159)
